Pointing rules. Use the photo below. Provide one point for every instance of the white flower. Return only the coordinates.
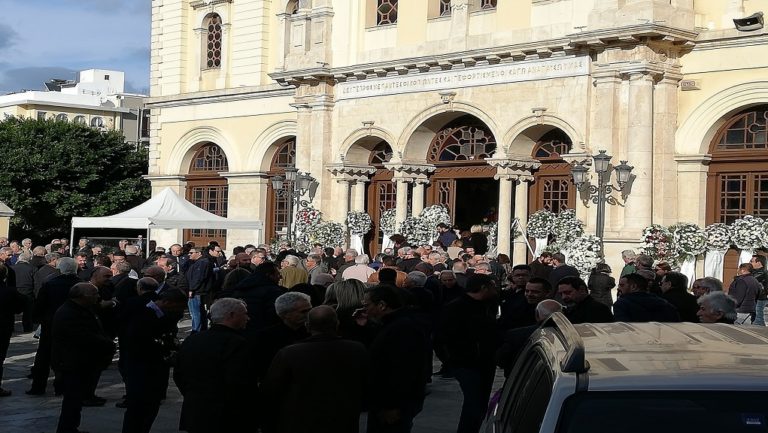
(689, 239)
(658, 242)
(540, 224)
(584, 253)
(718, 237)
(329, 234)
(417, 230)
(566, 227)
(748, 233)
(387, 222)
(359, 223)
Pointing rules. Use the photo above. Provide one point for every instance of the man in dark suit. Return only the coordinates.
(581, 307)
(53, 293)
(213, 374)
(11, 302)
(337, 373)
(561, 270)
(146, 349)
(514, 340)
(25, 285)
(81, 350)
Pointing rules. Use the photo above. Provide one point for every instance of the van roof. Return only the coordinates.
(656, 356)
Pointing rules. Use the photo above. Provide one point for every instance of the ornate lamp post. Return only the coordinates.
(601, 193)
(294, 186)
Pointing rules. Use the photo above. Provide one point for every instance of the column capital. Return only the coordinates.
(512, 169)
(410, 170)
(352, 173)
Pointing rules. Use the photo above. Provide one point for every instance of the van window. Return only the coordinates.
(665, 412)
(526, 400)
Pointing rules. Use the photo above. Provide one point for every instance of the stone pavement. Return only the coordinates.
(21, 413)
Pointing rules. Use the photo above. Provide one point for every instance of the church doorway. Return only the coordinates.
(476, 201)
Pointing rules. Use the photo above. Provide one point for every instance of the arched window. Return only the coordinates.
(461, 141)
(79, 120)
(207, 190)
(285, 157)
(445, 8)
(62, 117)
(738, 173)
(386, 12)
(488, 4)
(97, 122)
(552, 188)
(292, 7)
(212, 41)
(381, 154)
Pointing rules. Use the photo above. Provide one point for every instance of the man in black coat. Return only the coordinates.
(560, 270)
(259, 291)
(214, 376)
(11, 303)
(581, 307)
(292, 308)
(146, 350)
(514, 340)
(397, 355)
(637, 304)
(25, 285)
(81, 350)
(53, 293)
(124, 285)
(467, 331)
(337, 374)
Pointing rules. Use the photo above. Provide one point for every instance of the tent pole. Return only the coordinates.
(146, 252)
(71, 239)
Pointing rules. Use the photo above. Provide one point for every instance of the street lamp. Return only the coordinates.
(294, 186)
(602, 192)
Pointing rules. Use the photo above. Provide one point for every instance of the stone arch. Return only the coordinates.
(697, 131)
(414, 142)
(184, 149)
(521, 138)
(267, 143)
(357, 147)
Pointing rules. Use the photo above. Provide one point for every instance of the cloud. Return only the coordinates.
(8, 36)
(32, 78)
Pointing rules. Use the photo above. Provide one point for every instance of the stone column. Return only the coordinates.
(417, 202)
(402, 199)
(246, 201)
(639, 207)
(504, 241)
(520, 252)
(692, 188)
(665, 190)
(342, 196)
(358, 195)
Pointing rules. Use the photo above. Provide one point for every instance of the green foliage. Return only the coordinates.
(53, 171)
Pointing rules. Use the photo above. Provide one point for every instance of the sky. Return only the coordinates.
(44, 39)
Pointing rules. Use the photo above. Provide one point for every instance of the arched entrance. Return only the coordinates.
(207, 190)
(462, 177)
(737, 182)
(277, 207)
(552, 188)
(381, 194)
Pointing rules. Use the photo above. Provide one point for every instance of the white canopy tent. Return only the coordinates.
(166, 210)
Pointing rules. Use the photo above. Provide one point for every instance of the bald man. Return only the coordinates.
(338, 368)
(516, 339)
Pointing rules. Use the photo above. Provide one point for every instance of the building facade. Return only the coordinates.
(479, 105)
(97, 98)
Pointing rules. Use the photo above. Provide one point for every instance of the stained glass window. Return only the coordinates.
(462, 143)
(386, 12)
(212, 41)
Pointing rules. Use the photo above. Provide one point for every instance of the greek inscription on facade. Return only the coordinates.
(480, 76)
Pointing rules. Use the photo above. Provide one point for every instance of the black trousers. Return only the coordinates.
(74, 385)
(5, 342)
(476, 385)
(145, 388)
(42, 367)
(26, 313)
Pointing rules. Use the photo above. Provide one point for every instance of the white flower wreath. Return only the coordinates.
(359, 223)
(584, 253)
(658, 242)
(718, 237)
(566, 227)
(747, 233)
(540, 224)
(387, 222)
(329, 234)
(689, 239)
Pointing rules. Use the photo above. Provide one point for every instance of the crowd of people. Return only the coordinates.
(290, 341)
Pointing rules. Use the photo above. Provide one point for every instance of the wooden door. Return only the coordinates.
(382, 196)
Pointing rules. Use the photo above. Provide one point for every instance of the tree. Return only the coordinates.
(55, 170)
